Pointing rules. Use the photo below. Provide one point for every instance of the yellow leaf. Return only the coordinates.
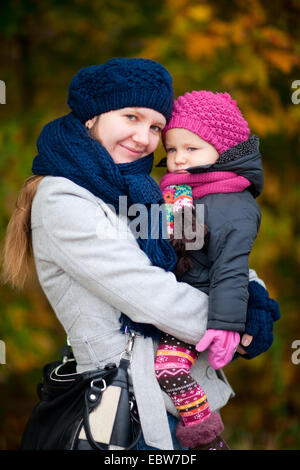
(176, 4)
(260, 123)
(18, 318)
(275, 36)
(282, 60)
(272, 188)
(200, 13)
(220, 27)
(42, 341)
(153, 48)
(200, 45)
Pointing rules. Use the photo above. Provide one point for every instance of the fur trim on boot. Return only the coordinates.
(200, 433)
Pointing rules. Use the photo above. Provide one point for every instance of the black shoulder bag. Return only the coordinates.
(93, 410)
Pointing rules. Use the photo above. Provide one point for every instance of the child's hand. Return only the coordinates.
(221, 345)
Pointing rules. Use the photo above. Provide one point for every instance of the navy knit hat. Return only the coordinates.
(121, 83)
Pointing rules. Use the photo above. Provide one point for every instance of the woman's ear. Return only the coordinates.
(89, 124)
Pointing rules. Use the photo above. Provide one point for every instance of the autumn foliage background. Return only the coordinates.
(250, 49)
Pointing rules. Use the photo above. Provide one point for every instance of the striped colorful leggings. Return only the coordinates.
(173, 363)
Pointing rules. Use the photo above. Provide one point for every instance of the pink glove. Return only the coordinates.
(221, 345)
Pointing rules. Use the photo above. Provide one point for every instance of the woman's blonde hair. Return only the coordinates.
(18, 246)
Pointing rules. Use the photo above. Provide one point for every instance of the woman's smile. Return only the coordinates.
(132, 150)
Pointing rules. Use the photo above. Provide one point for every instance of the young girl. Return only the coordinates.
(211, 160)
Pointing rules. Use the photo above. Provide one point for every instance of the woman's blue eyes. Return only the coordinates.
(132, 117)
(129, 116)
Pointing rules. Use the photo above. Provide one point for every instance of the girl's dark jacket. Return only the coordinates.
(221, 268)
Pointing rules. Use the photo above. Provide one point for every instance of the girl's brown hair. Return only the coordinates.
(17, 246)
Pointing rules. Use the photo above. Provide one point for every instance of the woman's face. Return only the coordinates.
(128, 133)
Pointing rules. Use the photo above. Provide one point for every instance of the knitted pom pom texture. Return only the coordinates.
(121, 83)
(215, 117)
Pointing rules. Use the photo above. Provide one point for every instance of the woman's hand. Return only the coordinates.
(262, 312)
(246, 340)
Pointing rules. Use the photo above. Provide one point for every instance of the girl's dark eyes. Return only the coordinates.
(192, 148)
(171, 149)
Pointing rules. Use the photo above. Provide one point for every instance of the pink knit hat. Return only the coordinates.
(215, 117)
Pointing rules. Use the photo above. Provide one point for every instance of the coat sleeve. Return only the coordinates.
(229, 249)
(84, 242)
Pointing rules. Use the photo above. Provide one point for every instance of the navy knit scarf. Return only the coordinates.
(66, 149)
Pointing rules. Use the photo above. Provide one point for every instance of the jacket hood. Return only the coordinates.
(244, 159)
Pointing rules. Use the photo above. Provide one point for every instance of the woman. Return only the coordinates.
(88, 261)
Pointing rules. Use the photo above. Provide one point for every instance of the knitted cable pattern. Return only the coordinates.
(215, 117)
(119, 83)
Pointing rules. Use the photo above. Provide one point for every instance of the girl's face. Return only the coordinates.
(128, 133)
(186, 149)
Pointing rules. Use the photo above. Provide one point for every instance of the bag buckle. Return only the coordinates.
(99, 380)
(95, 391)
(129, 346)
